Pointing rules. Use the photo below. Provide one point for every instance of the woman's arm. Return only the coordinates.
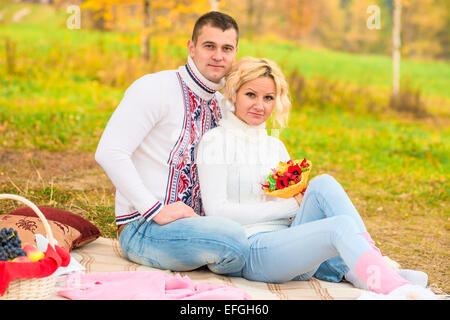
(213, 172)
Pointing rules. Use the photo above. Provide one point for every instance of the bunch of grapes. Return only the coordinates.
(10, 245)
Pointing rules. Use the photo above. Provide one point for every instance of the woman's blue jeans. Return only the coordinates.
(187, 244)
(325, 239)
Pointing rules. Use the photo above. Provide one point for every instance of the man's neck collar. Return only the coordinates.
(201, 86)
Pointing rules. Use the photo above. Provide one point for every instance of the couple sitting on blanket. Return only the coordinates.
(188, 164)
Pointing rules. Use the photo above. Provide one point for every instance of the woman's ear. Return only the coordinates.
(233, 99)
(230, 104)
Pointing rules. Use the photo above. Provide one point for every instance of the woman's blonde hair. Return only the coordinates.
(250, 68)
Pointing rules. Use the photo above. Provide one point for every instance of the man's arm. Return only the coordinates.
(130, 123)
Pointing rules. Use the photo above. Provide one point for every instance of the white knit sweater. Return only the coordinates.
(147, 148)
(234, 159)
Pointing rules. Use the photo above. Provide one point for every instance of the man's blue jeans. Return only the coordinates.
(186, 244)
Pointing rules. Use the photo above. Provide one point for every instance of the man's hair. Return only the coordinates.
(215, 19)
(249, 68)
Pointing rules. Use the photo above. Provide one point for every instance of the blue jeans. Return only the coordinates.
(327, 231)
(187, 244)
(334, 202)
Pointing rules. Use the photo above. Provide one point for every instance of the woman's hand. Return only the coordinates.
(299, 198)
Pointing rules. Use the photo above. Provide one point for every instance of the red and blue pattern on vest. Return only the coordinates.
(200, 116)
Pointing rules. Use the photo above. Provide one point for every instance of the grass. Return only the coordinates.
(431, 77)
(394, 166)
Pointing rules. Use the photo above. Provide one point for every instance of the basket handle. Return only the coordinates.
(36, 210)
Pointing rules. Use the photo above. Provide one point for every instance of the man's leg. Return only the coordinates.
(187, 244)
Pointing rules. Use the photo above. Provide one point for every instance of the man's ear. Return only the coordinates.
(190, 47)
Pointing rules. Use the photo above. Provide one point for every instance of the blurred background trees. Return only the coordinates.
(336, 24)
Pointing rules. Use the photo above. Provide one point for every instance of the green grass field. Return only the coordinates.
(395, 166)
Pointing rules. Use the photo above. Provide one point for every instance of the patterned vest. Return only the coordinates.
(201, 113)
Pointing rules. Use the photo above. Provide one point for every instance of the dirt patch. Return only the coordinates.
(67, 170)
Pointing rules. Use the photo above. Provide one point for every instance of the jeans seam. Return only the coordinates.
(307, 196)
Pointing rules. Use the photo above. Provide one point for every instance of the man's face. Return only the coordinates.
(214, 52)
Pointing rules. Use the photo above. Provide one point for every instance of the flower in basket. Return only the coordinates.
(288, 179)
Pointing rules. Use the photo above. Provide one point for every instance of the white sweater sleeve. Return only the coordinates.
(130, 123)
(213, 171)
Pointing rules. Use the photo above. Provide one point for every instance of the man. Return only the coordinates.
(148, 151)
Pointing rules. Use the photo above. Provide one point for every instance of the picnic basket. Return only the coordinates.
(33, 288)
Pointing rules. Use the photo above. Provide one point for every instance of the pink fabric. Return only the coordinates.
(378, 276)
(144, 285)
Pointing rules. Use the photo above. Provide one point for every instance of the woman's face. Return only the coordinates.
(255, 100)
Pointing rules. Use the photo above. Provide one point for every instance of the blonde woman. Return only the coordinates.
(289, 238)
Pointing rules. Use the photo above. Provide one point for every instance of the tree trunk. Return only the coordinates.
(250, 18)
(214, 5)
(396, 48)
(145, 41)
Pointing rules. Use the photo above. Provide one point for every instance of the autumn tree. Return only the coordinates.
(422, 23)
(146, 17)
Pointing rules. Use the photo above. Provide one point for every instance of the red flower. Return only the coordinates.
(294, 171)
(304, 164)
(282, 182)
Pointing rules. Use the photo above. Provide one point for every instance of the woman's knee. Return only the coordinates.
(325, 184)
(322, 178)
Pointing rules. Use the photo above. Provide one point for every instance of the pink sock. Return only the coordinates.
(370, 241)
(378, 276)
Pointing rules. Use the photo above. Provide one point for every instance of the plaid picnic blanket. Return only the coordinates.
(105, 255)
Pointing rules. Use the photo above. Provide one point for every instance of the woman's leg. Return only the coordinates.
(326, 198)
(282, 255)
(186, 244)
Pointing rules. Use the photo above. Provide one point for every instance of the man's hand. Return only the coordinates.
(174, 211)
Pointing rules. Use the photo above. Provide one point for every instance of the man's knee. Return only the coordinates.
(230, 232)
(231, 242)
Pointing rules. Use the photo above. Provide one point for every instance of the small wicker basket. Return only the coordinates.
(34, 288)
(292, 190)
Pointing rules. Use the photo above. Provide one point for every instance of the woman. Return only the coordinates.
(289, 238)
